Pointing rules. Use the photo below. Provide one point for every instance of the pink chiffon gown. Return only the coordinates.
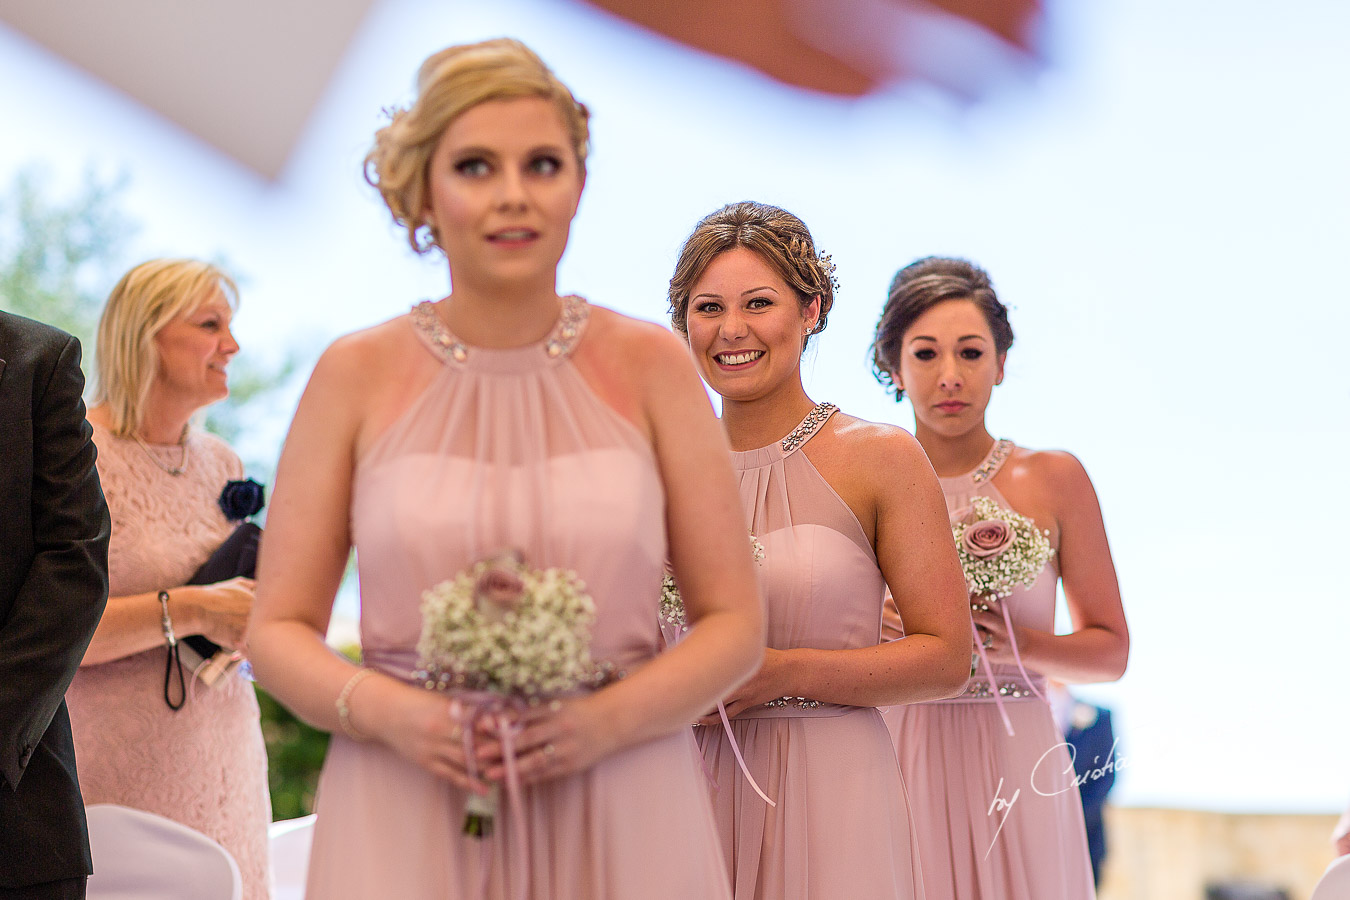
(841, 828)
(512, 449)
(960, 763)
(203, 765)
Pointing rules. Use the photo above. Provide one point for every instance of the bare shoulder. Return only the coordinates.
(644, 356)
(638, 368)
(635, 341)
(878, 444)
(350, 359)
(1059, 476)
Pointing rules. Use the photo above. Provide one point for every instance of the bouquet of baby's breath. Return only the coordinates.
(672, 606)
(506, 629)
(999, 549)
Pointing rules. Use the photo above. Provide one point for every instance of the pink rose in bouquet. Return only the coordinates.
(499, 589)
(988, 537)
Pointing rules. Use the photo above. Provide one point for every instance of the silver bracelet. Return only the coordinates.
(344, 710)
(164, 621)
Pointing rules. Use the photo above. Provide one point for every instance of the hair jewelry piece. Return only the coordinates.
(827, 268)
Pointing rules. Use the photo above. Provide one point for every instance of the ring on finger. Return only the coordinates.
(988, 642)
(549, 750)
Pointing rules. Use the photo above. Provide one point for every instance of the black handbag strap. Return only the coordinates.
(173, 661)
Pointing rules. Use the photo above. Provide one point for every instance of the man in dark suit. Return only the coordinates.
(54, 532)
(1094, 743)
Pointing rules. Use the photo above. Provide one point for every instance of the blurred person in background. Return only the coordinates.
(53, 586)
(148, 735)
(1092, 742)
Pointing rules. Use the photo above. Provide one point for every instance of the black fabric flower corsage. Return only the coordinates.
(241, 499)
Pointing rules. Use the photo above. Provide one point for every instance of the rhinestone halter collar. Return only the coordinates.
(561, 340)
(1002, 449)
(810, 425)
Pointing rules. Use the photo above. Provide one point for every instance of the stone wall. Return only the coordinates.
(1172, 854)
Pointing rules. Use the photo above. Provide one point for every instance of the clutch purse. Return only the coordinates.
(236, 557)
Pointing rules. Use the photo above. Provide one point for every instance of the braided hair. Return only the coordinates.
(781, 239)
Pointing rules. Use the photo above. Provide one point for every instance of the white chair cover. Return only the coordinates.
(1335, 883)
(288, 844)
(142, 856)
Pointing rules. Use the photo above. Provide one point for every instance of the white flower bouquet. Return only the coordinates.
(999, 549)
(672, 605)
(514, 633)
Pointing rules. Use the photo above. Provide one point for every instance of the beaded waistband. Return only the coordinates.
(796, 708)
(1009, 687)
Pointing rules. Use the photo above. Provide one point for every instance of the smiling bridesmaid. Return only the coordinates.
(842, 508)
(994, 800)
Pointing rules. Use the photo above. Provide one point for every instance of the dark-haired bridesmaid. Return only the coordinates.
(991, 780)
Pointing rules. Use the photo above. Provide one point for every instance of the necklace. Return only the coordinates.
(172, 470)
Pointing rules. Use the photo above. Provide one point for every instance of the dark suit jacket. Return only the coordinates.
(1094, 743)
(54, 532)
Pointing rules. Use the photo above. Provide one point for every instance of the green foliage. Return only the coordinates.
(295, 754)
(59, 257)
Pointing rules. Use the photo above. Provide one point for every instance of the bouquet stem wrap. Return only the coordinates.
(472, 710)
(999, 550)
(989, 671)
(500, 637)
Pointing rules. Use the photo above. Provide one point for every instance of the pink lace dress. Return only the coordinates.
(841, 828)
(204, 765)
(512, 449)
(998, 816)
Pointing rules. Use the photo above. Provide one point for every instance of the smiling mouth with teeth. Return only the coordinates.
(737, 359)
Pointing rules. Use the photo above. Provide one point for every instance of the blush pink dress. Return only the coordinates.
(841, 828)
(960, 762)
(512, 449)
(204, 765)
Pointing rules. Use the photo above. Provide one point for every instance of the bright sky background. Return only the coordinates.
(1166, 208)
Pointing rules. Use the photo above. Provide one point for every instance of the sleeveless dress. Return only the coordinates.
(204, 765)
(959, 760)
(841, 828)
(512, 449)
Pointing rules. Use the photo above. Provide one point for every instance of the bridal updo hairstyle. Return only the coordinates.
(781, 240)
(449, 83)
(919, 287)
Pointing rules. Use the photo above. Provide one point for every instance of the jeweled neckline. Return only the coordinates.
(993, 461)
(561, 340)
(808, 427)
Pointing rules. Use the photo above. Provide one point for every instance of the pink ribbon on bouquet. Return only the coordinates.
(989, 671)
(736, 750)
(468, 710)
(672, 637)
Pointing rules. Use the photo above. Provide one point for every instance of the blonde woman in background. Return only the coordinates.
(163, 352)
